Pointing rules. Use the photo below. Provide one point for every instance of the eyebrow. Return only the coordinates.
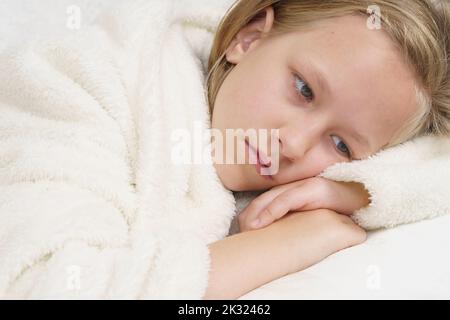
(316, 74)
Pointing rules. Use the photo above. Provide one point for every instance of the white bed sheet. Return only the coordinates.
(411, 261)
(408, 262)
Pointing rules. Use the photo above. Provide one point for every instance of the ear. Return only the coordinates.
(249, 36)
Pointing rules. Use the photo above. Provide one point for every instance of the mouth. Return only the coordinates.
(263, 162)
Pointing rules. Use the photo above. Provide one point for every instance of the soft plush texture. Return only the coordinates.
(407, 183)
(91, 205)
(88, 209)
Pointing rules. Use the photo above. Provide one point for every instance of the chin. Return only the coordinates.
(230, 177)
(234, 179)
(230, 182)
(240, 185)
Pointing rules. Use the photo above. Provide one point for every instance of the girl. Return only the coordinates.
(339, 88)
(92, 204)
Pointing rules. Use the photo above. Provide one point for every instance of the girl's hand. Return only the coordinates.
(303, 195)
(314, 235)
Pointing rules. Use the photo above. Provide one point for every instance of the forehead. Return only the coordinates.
(365, 72)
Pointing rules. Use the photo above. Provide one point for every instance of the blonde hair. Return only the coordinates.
(420, 28)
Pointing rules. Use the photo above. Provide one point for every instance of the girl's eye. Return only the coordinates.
(342, 147)
(303, 90)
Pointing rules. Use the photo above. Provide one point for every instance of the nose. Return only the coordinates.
(295, 142)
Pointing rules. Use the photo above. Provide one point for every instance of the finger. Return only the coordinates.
(342, 197)
(263, 200)
(258, 204)
(252, 211)
(292, 199)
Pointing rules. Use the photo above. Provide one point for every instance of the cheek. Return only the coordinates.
(319, 161)
(258, 102)
(313, 163)
(249, 96)
(256, 105)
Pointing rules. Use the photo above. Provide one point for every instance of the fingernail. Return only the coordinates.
(256, 223)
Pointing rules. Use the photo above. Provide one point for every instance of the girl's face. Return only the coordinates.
(322, 88)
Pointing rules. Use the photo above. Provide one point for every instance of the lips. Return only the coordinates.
(262, 160)
(265, 162)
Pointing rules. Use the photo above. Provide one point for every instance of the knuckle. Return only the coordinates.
(351, 233)
(357, 234)
(362, 236)
(346, 232)
(283, 198)
(269, 212)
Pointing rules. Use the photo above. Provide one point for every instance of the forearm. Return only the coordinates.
(246, 261)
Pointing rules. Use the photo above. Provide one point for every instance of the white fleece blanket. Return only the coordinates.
(91, 205)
